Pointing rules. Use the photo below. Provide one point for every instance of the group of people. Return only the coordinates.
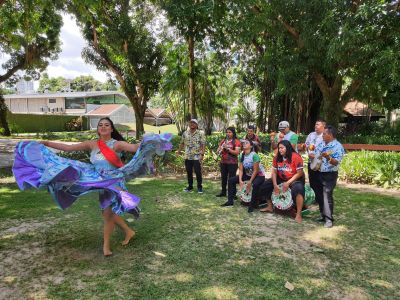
(66, 179)
(241, 164)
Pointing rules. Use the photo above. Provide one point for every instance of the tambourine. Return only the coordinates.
(282, 201)
(309, 195)
(315, 164)
(243, 195)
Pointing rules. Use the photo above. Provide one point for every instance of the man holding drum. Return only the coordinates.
(331, 153)
(314, 139)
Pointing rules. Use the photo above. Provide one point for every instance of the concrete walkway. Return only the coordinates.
(7, 147)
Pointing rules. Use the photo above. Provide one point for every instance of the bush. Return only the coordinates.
(381, 168)
(378, 133)
(39, 123)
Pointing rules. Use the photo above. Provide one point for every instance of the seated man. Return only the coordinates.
(287, 168)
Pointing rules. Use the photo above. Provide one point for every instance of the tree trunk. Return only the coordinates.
(331, 109)
(139, 107)
(3, 116)
(192, 99)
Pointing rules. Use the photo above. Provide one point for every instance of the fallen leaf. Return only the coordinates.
(159, 254)
(289, 286)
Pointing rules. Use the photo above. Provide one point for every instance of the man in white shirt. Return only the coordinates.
(312, 141)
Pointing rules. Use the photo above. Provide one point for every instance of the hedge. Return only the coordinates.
(39, 123)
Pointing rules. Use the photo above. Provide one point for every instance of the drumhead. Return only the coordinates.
(309, 195)
(282, 201)
(245, 197)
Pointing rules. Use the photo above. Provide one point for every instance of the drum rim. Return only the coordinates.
(241, 193)
(273, 196)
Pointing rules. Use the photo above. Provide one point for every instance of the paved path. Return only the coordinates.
(7, 147)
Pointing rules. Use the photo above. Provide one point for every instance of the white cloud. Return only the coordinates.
(69, 63)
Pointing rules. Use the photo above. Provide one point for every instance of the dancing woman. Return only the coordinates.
(67, 179)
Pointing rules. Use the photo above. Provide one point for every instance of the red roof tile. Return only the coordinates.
(104, 110)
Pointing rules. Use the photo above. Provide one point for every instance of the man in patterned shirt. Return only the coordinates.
(312, 142)
(194, 142)
(331, 152)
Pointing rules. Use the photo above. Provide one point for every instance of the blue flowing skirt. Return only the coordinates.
(67, 179)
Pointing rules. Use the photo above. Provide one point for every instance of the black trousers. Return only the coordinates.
(227, 171)
(314, 177)
(327, 184)
(256, 184)
(190, 165)
(297, 187)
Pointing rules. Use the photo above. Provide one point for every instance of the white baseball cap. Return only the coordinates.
(283, 125)
(194, 121)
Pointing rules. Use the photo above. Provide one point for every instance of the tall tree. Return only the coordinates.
(29, 34)
(119, 40)
(174, 83)
(193, 19)
(343, 44)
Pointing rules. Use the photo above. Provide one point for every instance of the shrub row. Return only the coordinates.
(20, 123)
(369, 167)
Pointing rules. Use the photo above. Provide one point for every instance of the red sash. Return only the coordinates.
(109, 154)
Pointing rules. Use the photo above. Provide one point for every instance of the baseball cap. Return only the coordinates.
(283, 125)
(194, 121)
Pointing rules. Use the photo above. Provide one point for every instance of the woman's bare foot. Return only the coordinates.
(107, 252)
(267, 209)
(128, 237)
(298, 219)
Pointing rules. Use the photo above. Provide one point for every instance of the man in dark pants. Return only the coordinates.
(331, 152)
(194, 142)
(313, 140)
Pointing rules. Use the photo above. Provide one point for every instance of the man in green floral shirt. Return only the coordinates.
(194, 142)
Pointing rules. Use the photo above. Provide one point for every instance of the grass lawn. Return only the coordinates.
(187, 247)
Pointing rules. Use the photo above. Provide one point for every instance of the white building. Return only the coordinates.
(118, 113)
(70, 103)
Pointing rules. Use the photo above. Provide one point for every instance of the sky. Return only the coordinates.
(70, 63)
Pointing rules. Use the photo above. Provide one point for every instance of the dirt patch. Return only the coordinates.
(26, 227)
(366, 188)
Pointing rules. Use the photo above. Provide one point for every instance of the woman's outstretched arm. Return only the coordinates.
(124, 146)
(87, 145)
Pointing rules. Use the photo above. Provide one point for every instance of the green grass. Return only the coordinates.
(187, 247)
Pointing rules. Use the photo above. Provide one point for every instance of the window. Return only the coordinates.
(52, 101)
(74, 103)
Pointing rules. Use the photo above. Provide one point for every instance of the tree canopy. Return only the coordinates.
(29, 35)
(120, 41)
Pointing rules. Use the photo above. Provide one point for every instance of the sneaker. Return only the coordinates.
(188, 190)
(328, 224)
(250, 209)
(200, 190)
(220, 195)
(227, 204)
